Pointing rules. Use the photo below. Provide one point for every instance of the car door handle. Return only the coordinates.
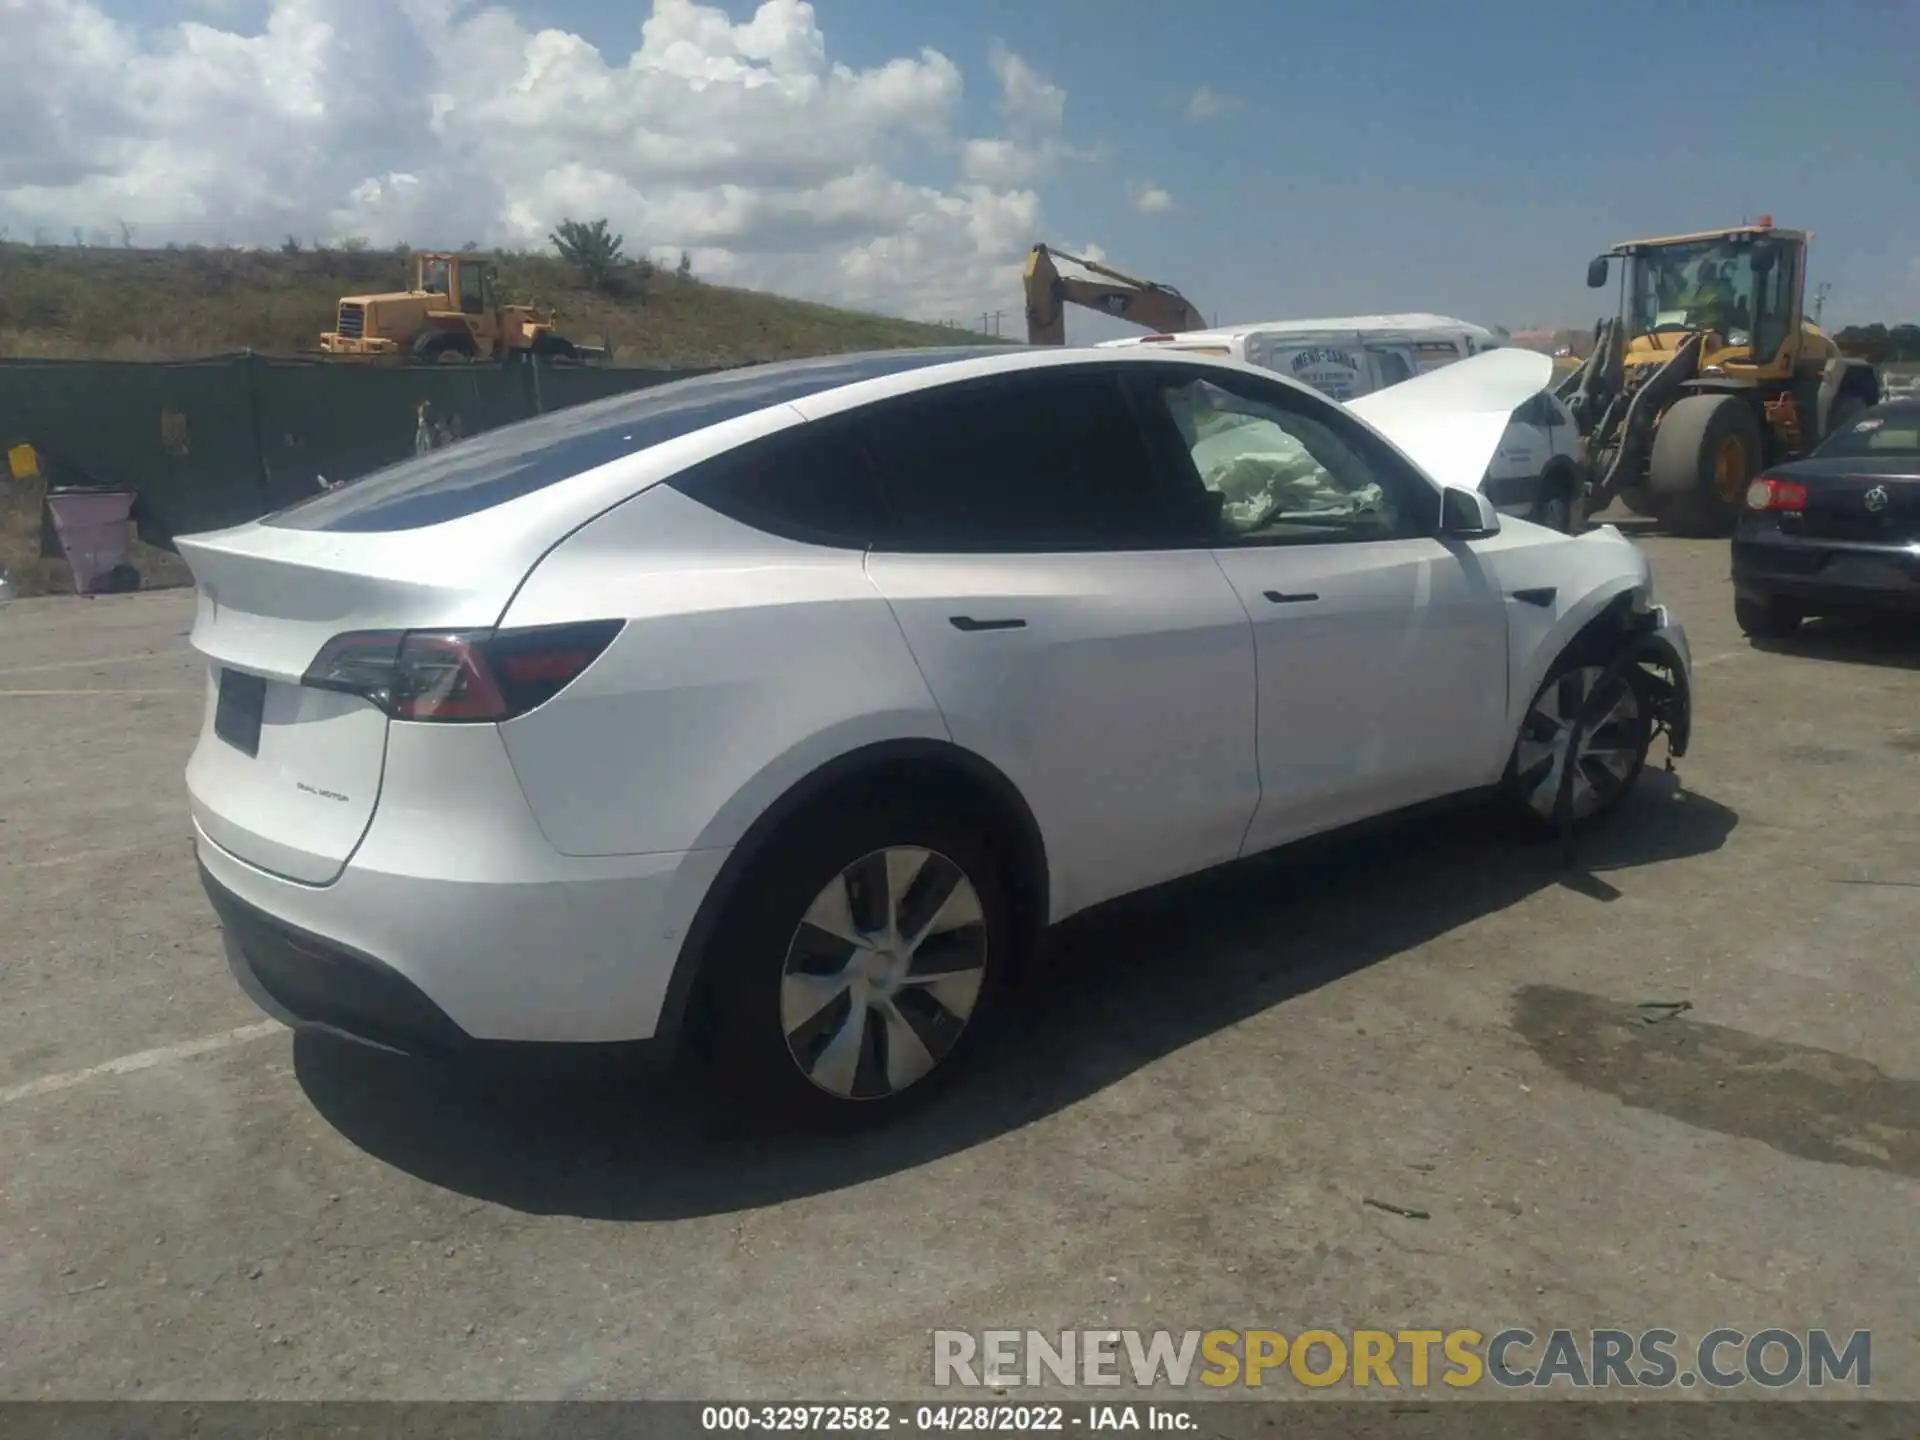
(1543, 596)
(1280, 599)
(969, 624)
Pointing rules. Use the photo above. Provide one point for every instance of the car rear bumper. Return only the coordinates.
(456, 922)
(1833, 573)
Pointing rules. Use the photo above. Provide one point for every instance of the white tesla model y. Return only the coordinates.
(778, 711)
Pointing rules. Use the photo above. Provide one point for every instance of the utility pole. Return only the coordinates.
(1820, 300)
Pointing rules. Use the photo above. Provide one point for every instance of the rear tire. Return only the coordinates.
(1767, 617)
(1611, 754)
(822, 1012)
(1706, 452)
(554, 347)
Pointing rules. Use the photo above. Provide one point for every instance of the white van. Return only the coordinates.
(1535, 472)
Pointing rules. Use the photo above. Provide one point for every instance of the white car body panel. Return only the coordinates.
(1450, 421)
(1128, 692)
(1390, 619)
(536, 879)
(747, 662)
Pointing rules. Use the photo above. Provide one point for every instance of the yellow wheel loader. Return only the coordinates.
(451, 313)
(1708, 373)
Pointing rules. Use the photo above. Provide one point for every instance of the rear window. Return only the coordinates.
(1889, 430)
(501, 465)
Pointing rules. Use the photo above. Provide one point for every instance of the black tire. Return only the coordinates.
(1554, 507)
(434, 346)
(123, 580)
(1767, 617)
(1618, 748)
(1693, 485)
(1637, 499)
(760, 944)
(554, 347)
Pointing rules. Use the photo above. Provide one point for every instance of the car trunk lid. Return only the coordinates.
(286, 777)
(1863, 499)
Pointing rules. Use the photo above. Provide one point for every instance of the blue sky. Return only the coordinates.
(1466, 157)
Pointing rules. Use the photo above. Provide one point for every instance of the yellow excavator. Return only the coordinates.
(1708, 372)
(1143, 302)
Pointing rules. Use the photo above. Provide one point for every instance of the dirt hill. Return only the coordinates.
(95, 303)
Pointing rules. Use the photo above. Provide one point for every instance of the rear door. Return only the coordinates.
(1048, 580)
(1382, 650)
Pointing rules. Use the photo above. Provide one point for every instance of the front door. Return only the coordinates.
(1074, 634)
(1382, 649)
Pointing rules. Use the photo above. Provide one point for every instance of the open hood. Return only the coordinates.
(1450, 421)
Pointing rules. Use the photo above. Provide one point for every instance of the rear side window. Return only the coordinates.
(811, 483)
(516, 460)
(1045, 461)
(1887, 432)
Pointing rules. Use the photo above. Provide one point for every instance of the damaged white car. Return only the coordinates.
(770, 716)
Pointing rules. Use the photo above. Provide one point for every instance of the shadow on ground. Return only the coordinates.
(1810, 1103)
(1889, 641)
(1120, 989)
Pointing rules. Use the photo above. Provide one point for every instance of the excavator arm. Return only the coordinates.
(1157, 307)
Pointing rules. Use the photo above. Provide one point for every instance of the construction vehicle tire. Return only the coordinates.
(1636, 499)
(549, 347)
(433, 346)
(1706, 452)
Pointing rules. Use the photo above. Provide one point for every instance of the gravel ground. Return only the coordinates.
(1183, 1130)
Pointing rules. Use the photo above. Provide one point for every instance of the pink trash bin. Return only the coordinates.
(92, 526)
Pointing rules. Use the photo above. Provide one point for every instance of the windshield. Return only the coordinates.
(1889, 431)
(1707, 285)
(433, 277)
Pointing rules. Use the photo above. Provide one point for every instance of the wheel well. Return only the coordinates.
(940, 775)
(1600, 637)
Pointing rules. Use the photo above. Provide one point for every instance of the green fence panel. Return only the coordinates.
(212, 443)
(180, 435)
(343, 421)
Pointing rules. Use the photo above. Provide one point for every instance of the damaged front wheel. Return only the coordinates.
(1582, 745)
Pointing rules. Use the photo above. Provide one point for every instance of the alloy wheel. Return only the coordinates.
(883, 973)
(1607, 756)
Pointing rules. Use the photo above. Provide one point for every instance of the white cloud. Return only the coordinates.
(1206, 103)
(1026, 96)
(1150, 199)
(437, 122)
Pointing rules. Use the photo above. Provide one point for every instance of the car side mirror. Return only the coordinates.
(1467, 515)
(1596, 272)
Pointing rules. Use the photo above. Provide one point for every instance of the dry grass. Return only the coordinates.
(64, 302)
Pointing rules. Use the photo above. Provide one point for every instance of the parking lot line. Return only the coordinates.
(105, 852)
(142, 1060)
(171, 690)
(103, 660)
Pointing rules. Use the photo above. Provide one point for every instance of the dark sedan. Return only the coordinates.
(1838, 531)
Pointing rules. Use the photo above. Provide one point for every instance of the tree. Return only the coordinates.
(290, 246)
(591, 250)
(685, 270)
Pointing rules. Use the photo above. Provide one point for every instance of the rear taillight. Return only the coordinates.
(463, 675)
(1767, 493)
